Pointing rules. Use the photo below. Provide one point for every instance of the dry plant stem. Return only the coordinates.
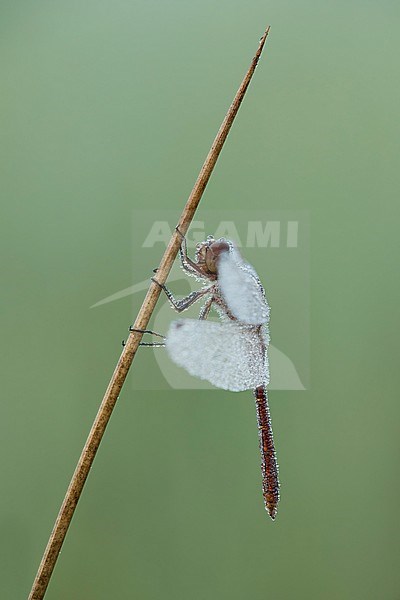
(121, 370)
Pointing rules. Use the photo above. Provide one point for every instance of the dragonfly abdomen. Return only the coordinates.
(269, 465)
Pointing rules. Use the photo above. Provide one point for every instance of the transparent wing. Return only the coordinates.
(229, 355)
(242, 290)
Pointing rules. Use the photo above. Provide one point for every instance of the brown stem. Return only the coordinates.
(121, 370)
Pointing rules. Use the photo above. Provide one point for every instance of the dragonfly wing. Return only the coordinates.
(229, 355)
(241, 289)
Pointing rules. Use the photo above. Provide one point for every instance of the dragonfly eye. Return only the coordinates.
(219, 247)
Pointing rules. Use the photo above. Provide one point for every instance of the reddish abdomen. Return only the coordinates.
(269, 465)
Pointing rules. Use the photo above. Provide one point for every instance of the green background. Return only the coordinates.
(110, 107)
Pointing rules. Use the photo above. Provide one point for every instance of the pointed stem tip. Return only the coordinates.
(262, 42)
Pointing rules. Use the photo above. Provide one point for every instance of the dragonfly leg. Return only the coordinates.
(131, 328)
(218, 300)
(205, 311)
(149, 344)
(180, 233)
(187, 263)
(184, 303)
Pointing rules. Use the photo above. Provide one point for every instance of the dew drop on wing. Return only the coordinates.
(229, 355)
(241, 289)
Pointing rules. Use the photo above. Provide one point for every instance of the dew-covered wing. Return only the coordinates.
(229, 355)
(241, 289)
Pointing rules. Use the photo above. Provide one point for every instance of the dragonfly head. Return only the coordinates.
(208, 254)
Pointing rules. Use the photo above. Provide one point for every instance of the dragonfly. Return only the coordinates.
(230, 353)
